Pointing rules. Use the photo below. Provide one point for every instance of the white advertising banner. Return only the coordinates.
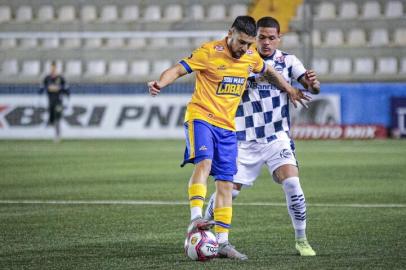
(95, 116)
(125, 116)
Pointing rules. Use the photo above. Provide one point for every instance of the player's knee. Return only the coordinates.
(203, 167)
(285, 172)
(236, 190)
(224, 188)
(237, 186)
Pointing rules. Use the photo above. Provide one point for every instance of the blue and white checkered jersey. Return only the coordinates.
(263, 114)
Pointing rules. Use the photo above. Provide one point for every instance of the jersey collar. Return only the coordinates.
(269, 57)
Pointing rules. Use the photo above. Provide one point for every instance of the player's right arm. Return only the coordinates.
(42, 86)
(167, 77)
(195, 62)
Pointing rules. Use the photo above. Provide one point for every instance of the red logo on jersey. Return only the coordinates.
(219, 48)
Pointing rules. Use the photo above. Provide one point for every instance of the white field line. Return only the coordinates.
(133, 202)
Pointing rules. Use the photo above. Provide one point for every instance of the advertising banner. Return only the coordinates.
(141, 116)
(398, 116)
(324, 132)
(95, 116)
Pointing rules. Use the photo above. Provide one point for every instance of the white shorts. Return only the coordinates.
(252, 156)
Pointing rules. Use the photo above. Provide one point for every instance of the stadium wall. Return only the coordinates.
(358, 104)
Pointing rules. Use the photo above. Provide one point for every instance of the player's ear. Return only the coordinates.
(230, 32)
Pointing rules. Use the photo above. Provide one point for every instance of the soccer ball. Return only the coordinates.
(201, 246)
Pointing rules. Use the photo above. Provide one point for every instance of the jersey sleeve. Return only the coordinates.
(197, 60)
(43, 85)
(260, 64)
(298, 70)
(64, 86)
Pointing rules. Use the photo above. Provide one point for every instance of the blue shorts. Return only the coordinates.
(205, 141)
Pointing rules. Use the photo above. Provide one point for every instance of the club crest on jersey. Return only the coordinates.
(250, 68)
(219, 48)
(280, 59)
(231, 86)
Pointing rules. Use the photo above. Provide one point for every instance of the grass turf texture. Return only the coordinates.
(83, 236)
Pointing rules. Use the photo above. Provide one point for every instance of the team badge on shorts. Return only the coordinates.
(286, 153)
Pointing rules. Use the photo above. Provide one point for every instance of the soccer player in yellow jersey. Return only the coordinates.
(222, 68)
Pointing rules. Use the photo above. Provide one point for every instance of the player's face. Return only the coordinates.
(268, 40)
(53, 69)
(238, 43)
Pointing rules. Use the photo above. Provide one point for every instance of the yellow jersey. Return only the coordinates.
(220, 82)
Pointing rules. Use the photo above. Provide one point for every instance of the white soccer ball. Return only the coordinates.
(201, 246)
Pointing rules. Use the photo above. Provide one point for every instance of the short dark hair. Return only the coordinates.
(245, 24)
(269, 22)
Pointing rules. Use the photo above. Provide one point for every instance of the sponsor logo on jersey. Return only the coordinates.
(279, 69)
(54, 87)
(231, 86)
(286, 153)
(249, 52)
(219, 48)
(203, 148)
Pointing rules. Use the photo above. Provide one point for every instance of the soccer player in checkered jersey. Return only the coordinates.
(222, 68)
(262, 123)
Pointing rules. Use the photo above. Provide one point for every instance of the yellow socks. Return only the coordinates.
(222, 217)
(197, 194)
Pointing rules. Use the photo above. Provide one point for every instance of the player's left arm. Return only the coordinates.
(294, 94)
(42, 86)
(65, 87)
(310, 82)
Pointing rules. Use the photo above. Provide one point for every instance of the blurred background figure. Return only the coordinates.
(55, 86)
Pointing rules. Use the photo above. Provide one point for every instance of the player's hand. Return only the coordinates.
(313, 82)
(153, 88)
(298, 96)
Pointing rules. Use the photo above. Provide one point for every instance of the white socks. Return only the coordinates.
(296, 204)
(195, 212)
(222, 237)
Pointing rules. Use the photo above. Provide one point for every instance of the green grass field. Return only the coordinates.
(78, 205)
